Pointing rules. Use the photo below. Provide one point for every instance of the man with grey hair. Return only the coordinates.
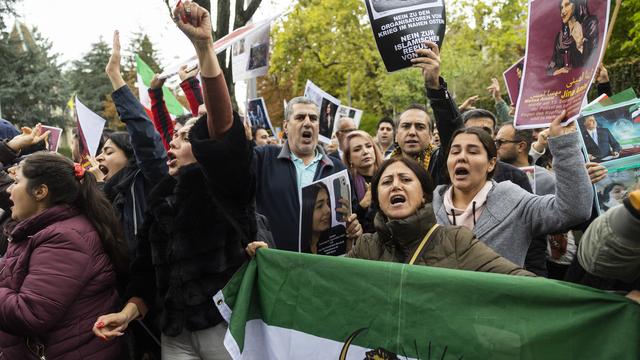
(345, 126)
(282, 171)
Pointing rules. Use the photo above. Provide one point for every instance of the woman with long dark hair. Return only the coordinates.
(60, 269)
(503, 215)
(316, 216)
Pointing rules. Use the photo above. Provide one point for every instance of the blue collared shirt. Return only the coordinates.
(305, 173)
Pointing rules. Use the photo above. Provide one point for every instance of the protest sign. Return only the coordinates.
(258, 115)
(285, 305)
(324, 208)
(53, 141)
(512, 78)
(221, 44)
(611, 132)
(623, 176)
(345, 111)
(90, 126)
(250, 55)
(328, 107)
(564, 47)
(400, 27)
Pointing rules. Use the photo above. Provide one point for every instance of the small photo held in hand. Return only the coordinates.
(324, 208)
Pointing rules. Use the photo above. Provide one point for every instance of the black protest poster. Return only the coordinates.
(401, 26)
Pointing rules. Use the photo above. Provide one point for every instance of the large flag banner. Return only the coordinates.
(250, 55)
(565, 42)
(401, 26)
(286, 305)
(145, 74)
(345, 111)
(258, 115)
(324, 207)
(513, 78)
(328, 106)
(611, 132)
(90, 126)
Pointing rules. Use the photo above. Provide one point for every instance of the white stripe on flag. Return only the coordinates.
(263, 341)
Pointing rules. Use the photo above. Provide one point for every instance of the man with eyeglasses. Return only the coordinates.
(345, 126)
(281, 171)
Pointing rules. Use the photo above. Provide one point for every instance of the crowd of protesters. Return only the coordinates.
(121, 261)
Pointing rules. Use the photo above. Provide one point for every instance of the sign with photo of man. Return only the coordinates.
(611, 132)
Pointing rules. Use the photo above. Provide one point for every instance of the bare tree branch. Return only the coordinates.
(244, 15)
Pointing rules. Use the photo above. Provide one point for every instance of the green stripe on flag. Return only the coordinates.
(415, 310)
(146, 73)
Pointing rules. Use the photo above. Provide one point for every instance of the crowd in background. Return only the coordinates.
(122, 260)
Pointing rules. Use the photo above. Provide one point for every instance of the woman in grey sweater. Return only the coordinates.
(502, 215)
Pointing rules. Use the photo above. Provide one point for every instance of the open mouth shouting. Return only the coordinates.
(172, 162)
(103, 169)
(307, 136)
(397, 200)
(461, 172)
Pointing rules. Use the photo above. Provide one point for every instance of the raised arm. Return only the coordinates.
(159, 113)
(145, 140)
(191, 87)
(572, 202)
(195, 22)
(445, 110)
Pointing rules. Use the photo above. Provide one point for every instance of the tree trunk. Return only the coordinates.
(222, 28)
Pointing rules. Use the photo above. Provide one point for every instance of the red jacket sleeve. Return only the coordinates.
(161, 117)
(193, 92)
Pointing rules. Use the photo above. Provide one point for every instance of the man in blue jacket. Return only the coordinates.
(282, 171)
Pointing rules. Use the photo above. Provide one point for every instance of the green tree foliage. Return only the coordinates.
(87, 78)
(326, 41)
(141, 45)
(625, 41)
(31, 87)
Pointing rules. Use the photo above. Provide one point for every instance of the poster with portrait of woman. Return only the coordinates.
(324, 208)
(623, 176)
(565, 42)
(513, 78)
(328, 107)
(53, 141)
(400, 27)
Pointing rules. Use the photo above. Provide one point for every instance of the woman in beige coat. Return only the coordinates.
(407, 231)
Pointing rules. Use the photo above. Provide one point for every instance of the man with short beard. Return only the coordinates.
(282, 171)
(413, 134)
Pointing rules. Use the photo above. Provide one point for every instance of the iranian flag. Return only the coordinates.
(145, 74)
(285, 305)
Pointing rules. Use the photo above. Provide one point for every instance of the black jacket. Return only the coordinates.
(196, 228)
(277, 190)
(129, 188)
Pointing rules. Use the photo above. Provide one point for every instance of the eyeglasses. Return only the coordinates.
(500, 142)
